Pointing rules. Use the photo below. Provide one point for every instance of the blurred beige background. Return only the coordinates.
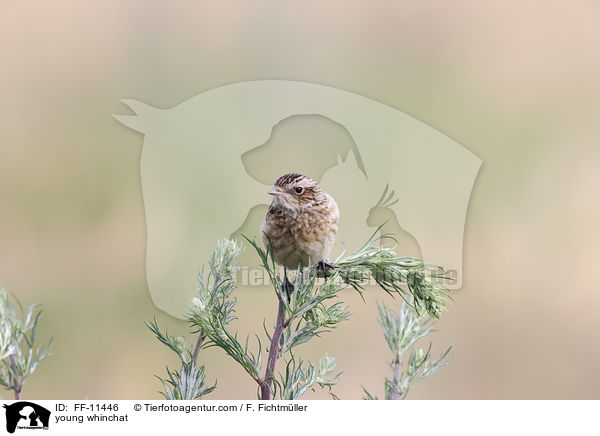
(516, 83)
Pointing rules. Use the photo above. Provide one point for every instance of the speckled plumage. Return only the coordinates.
(301, 223)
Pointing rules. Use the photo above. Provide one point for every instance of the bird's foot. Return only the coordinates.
(323, 269)
(288, 286)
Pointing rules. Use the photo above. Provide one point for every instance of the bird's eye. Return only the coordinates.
(298, 189)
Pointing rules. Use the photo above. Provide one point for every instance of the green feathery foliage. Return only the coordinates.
(18, 354)
(305, 314)
(402, 330)
(308, 307)
(188, 382)
(420, 284)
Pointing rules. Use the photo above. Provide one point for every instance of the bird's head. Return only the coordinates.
(294, 191)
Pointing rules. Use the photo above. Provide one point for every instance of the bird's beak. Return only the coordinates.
(276, 191)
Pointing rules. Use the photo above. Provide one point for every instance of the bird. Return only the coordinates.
(300, 224)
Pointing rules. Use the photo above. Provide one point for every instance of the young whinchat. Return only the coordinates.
(301, 223)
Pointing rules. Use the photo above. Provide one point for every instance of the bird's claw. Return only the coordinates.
(323, 269)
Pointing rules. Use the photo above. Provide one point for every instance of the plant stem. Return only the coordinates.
(395, 393)
(18, 388)
(267, 383)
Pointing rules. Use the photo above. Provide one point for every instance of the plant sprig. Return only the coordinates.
(307, 308)
(417, 282)
(19, 357)
(402, 330)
